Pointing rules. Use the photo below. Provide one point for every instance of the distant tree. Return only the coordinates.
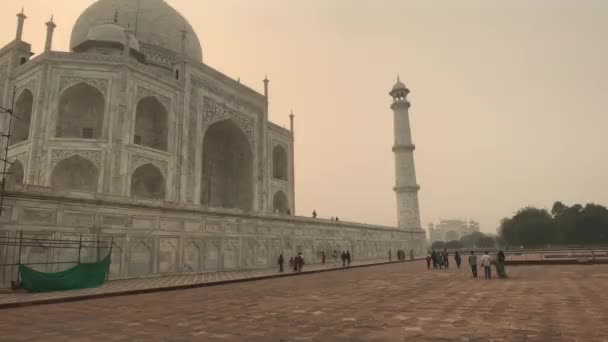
(454, 244)
(575, 225)
(558, 209)
(437, 245)
(530, 227)
(478, 240)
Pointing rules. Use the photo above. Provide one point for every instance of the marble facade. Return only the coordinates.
(131, 136)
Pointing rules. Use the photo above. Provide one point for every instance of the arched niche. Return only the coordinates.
(75, 173)
(151, 123)
(15, 175)
(147, 182)
(20, 126)
(227, 180)
(279, 163)
(280, 203)
(81, 111)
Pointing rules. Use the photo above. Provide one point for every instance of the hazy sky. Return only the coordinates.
(507, 96)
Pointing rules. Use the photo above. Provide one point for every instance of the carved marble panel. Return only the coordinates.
(68, 81)
(167, 255)
(192, 256)
(78, 219)
(140, 257)
(93, 156)
(214, 112)
(212, 255)
(138, 159)
(231, 254)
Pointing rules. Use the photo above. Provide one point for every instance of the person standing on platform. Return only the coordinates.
(428, 262)
(446, 260)
(412, 254)
(343, 257)
(280, 262)
(473, 263)
(434, 258)
(323, 257)
(348, 258)
(486, 262)
(457, 259)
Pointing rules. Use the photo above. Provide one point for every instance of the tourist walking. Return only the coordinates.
(500, 264)
(280, 262)
(343, 258)
(348, 258)
(323, 257)
(291, 263)
(440, 260)
(434, 258)
(457, 259)
(446, 260)
(473, 263)
(486, 262)
(428, 262)
(300, 262)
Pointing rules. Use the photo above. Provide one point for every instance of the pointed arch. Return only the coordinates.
(15, 175)
(147, 182)
(81, 112)
(279, 202)
(227, 179)
(75, 173)
(20, 126)
(151, 123)
(279, 163)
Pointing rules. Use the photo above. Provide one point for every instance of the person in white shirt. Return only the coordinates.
(486, 262)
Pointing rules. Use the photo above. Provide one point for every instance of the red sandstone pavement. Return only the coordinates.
(397, 302)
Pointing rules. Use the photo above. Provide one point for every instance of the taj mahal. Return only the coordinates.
(132, 138)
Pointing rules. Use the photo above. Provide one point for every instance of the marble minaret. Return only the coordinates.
(408, 213)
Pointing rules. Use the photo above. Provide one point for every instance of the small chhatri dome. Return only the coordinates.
(111, 33)
(399, 86)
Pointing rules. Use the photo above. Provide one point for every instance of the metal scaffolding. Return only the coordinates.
(7, 136)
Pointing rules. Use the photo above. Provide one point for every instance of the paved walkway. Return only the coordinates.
(396, 302)
(153, 284)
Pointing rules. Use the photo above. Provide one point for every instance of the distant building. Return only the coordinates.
(447, 230)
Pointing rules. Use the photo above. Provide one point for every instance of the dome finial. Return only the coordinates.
(398, 80)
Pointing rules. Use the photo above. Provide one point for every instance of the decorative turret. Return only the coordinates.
(20, 20)
(406, 189)
(50, 28)
(266, 81)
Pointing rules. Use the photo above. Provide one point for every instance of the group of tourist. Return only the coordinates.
(295, 263)
(314, 215)
(400, 255)
(441, 260)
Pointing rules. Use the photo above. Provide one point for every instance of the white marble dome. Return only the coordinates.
(111, 33)
(155, 23)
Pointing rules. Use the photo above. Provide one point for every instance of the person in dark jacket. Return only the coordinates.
(280, 262)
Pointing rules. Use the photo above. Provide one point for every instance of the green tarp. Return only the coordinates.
(81, 276)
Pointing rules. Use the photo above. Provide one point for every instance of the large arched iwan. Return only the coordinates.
(20, 126)
(75, 173)
(151, 123)
(147, 182)
(227, 179)
(81, 111)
